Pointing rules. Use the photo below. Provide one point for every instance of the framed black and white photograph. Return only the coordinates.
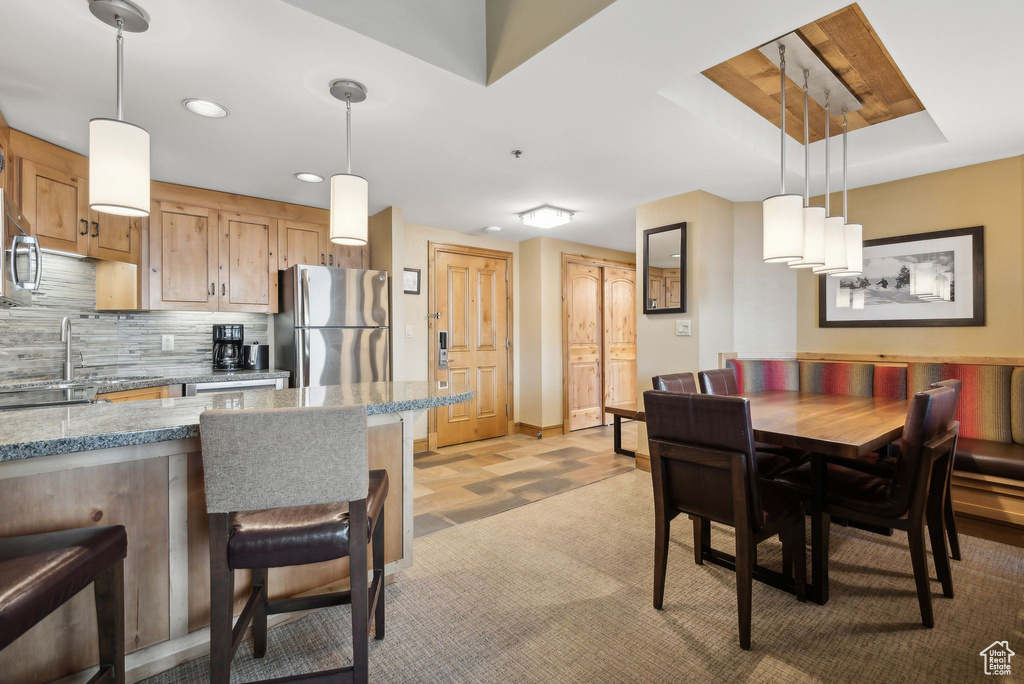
(411, 281)
(927, 279)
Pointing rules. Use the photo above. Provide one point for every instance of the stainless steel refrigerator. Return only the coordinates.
(332, 326)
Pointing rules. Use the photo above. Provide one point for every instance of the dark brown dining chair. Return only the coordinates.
(40, 572)
(703, 464)
(290, 487)
(902, 501)
(718, 381)
(675, 382)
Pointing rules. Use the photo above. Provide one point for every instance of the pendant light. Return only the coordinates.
(118, 150)
(814, 217)
(835, 236)
(782, 214)
(349, 192)
(853, 232)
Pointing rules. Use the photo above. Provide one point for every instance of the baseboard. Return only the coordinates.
(420, 445)
(643, 462)
(539, 432)
(987, 529)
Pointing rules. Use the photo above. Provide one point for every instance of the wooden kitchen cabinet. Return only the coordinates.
(184, 267)
(56, 205)
(303, 243)
(248, 263)
(115, 238)
(349, 256)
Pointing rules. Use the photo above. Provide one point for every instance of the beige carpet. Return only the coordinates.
(560, 591)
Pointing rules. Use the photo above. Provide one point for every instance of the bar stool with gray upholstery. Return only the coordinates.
(41, 572)
(288, 487)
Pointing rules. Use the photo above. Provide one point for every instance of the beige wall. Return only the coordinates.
(542, 322)
(990, 195)
(385, 238)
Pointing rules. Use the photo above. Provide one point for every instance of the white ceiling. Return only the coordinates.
(612, 115)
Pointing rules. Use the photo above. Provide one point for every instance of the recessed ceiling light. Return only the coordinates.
(492, 229)
(546, 217)
(205, 108)
(307, 177)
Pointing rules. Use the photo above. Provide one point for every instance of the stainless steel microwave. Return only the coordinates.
(21, 267)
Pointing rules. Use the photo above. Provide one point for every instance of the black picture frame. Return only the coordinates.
(405, 274)
(977, 276)
(648, 309)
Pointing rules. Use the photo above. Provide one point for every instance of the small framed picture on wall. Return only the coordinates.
(411, 281)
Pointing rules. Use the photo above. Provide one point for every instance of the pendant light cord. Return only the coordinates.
(828, 160)
(348, 132)
(120, 69)
(782, 123)
(807, 150)
(844, 166)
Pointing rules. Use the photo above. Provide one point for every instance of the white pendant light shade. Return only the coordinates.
(814, 239)
(118, 168)
(853, 233)
(835, 246)
(349, 209)
(783, 228)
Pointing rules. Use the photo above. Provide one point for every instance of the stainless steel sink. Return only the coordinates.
(55, 394)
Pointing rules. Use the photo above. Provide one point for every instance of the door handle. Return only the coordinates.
(304, 284)
(85, 227)
(442, 348)
(330, 259)
(213, 289)
(223, 290)
(96, 227)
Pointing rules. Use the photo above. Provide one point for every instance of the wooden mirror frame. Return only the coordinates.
(681, 227)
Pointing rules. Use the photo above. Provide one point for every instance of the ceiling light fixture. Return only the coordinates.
(349, 193)
(814, 217)
(546, 217)
(309, 177)
(782, 214)
(852, 232)
(118, 150)
(492, 229)
(835, 236)
(207, 108)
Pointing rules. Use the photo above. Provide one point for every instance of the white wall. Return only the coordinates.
(764, 295)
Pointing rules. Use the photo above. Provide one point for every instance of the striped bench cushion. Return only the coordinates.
(890, 381)
(984, 410)
(826, 377)
(756, 375)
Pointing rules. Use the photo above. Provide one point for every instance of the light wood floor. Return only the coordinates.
(466, 482)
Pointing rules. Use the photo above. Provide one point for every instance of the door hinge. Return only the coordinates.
(506, 410)
(506, 342)
(506, 275)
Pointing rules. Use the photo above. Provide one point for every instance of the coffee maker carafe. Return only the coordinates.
(227, 347)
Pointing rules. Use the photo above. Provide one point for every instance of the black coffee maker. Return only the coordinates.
(227, 347)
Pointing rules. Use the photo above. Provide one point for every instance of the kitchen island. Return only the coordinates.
(139, 464)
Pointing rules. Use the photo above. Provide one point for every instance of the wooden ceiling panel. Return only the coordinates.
(845, 43)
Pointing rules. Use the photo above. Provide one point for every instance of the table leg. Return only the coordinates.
(617, 437)
(818, 591)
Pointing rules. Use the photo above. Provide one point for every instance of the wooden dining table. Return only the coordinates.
(832, 427)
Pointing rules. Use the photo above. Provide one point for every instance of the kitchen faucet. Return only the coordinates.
(65, 337)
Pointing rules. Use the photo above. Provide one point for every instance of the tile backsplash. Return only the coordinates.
(104, 343)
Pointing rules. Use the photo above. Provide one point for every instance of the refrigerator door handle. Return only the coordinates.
(304, 372)
(305, 298)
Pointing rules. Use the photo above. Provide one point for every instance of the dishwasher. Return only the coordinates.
(194, 388)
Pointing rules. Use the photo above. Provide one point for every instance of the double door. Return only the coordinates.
(599, 329)
(56, 204)
(203, 259)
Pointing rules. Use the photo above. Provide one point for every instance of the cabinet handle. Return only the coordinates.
(85, 227)
(322, 260)
(96, 227)
(223, 290)
(332, 259)
(213, 289)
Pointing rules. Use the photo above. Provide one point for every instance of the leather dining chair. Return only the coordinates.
(720, 381)
(286, 487)
(703, 464)
(675, 382)
(903, 501)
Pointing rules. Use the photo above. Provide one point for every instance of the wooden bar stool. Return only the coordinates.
(40, 572)
(289, 487)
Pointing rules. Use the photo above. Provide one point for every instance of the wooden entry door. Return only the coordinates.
(599, 332)
(471, 296)
(583, 294)
(619, 350)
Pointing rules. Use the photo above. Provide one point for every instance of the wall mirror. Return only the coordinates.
(665, 269)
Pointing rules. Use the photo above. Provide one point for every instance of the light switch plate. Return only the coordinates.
(408, 331)
(167, 343)
(683, 328)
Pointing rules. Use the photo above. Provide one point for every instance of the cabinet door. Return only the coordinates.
(183, 258)
(56, 204)
(248, 263)
(116, 238)
(302, 243)
(349, 256)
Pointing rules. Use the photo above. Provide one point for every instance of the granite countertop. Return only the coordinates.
(29, 433)
(134, 381)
